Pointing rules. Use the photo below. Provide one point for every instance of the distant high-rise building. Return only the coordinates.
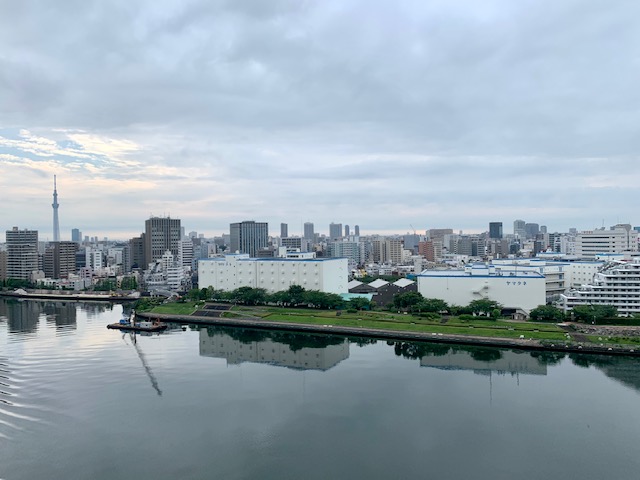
(161, 234)
(335, 231)
(3, 265)
(532, 229)
(248, 237)
(518, 229)
(60, 260)
(76, 235)
(346, 230)
(438, 233)
(56, 224)
(185, 252)
(543, 229)
(618, 239)
(356, 230)
(309, 233)
(136, 246)
(495, 230)
(94, 259)
(22, 253)
(387, 250)
(284, 230)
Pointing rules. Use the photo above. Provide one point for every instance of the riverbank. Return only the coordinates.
(71, 296)
(333, 327)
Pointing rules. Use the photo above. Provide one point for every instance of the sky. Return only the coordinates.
(393, 116)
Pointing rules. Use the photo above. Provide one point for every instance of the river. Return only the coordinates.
(79, 401)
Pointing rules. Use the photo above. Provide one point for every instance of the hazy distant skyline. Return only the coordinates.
(433, 114)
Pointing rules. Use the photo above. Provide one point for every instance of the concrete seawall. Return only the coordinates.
(72, 297)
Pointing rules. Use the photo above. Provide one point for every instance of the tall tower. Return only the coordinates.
(161, 234)
(56, 224)
(248, 237)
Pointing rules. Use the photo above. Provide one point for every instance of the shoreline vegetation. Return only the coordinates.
(570, 337)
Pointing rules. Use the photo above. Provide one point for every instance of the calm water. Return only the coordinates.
(78, 401)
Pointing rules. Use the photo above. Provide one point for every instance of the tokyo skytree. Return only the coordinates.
(56, 224)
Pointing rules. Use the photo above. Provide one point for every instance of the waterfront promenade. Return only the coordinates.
(199, 318)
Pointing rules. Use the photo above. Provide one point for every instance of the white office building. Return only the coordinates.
(519, 289)
(617, 284)
(618, 239)
(229, 272)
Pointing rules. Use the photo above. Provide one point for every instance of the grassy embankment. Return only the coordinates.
(604, 340)
(384, 321)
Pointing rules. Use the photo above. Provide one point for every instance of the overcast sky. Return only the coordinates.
(383, 114)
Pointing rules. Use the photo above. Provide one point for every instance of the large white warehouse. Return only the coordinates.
(513, 288)
(329, 275)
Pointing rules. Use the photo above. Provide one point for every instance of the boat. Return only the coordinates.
(130, 325)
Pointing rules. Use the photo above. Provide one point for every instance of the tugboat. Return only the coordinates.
(130, 325)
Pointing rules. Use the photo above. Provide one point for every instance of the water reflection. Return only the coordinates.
(480, 360)
(292, 350)
(623, 369)
(23, 316)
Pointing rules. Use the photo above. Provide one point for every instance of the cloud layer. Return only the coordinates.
(434, 114)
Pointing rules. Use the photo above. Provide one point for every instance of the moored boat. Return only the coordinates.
(130, 325)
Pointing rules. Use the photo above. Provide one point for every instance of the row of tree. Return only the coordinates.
(414, 302)
(594, 314)
(295, 296)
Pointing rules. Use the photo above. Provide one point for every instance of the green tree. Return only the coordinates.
(250, 296)
(323, 300)
(594, 313)
(129, 283)
(296, 294)
(431, 305)
(360, 303)
(407, 299)
(546, 313)
(484, 306)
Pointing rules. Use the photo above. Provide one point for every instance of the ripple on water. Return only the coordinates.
(16, 410)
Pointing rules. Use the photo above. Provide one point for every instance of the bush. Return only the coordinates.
(466, 317)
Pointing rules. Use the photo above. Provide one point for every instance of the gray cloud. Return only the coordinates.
(290, 110)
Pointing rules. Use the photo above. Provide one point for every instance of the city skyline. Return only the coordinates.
(294, 232)
(449, 114)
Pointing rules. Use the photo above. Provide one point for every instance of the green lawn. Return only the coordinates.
(614, 340)
(383, 320)
(413, 324)
(177, 308)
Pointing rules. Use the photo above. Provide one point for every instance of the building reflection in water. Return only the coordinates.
(22, 317)
(61, 314)
(510, 362)
(292, 350)
(480, 360)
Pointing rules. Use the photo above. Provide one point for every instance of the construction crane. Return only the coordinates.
(413, 228)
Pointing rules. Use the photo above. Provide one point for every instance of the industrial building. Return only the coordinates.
(329, 275)
(515, 289)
